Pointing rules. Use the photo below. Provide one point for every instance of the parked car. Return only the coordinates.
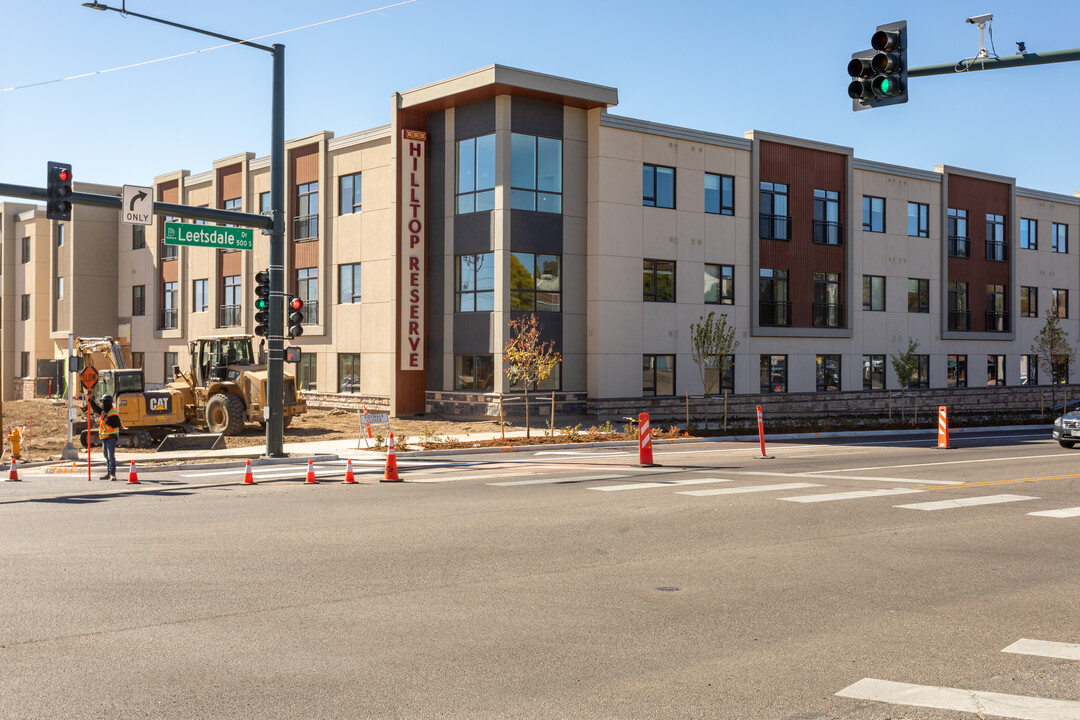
(1067, 429)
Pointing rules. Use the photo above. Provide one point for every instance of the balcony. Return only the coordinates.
(774, 313)
(959, 319)
(959, 246)
(997, 321)
(774, 227)
(996, 250)
(169, 318)
(306, 227)
(169, 252)
(229, 316)
(828, 233)
(830, 315)
(310, 311)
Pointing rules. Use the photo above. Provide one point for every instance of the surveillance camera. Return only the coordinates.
(980, 19)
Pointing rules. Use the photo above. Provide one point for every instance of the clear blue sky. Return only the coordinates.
(718, 66)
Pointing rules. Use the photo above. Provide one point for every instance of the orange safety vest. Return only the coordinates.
(104, 430)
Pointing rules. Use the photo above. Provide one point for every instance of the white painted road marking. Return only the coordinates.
(956, 462)
(821, 474)
(1045, 648)
(748, 489)
(854, 495)
(966, 502)
(1062, 513)
(972, 701)
(662, 483)
(555, 480)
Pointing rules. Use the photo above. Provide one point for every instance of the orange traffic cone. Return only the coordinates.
(13, 474)
(349, 477)
(249, 479)
(310, 474)
(133, 477)
(391, 463)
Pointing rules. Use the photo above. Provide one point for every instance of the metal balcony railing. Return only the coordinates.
(229, 316)
(169, 252)
(774, 313)
(828, 315)
(306, 227)
(828, 232)
(169, 318)
(997, 321)
(959, 319)
(774, 227)
(310, 311)
(959, 246)
(996, 250)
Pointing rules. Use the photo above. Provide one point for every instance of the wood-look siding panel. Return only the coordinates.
(229, 184)
(305, 164)
(306, 254)
(170, 270)
(980, 197)
(232, 263)
(803, 170)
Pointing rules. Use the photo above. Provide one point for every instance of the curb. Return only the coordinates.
(150, 467)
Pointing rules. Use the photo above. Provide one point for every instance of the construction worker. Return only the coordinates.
(109, 432)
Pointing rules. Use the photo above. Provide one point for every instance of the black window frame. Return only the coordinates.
(769, 366)
(869, 281)
(651, 370)
(138, 237)
(477, 360)
(774, 298)
(921, 218)
(868, 202)
(476, 293)
(1059, 302)
(959, 240)
(351, 379)
(528, 299)
(349, 292)
(1029, 234)
(1029, 296)
(778, 225)
(649, 177)
(828, 311)
(650, 275)
(874, 375)
(997, 309)
(995, 370)
(726, 189)
(355, 191)
(956, 370)
(827, 232)
(827, 380)
(138, 300)
(1059, 238)
(920, 378)
(725, 284)
(476, 192)
(919, 297)
(997, 238)
(542, 200)
(959, 306)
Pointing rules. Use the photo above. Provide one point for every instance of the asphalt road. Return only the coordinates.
(557, 584)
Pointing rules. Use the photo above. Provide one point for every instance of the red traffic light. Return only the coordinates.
(64, 175)
(296, 304)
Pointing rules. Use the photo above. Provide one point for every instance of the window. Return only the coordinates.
(828, 373)
(959, 242)
(60, 288)
(138, 300)
(476, 174)
(774, 373)
(773, 217)
(720, 284)
(264, 203)
(918, 220)
(1029, 369)
(348, 372)
(1059, 369)
(138, 237)
(658, 281)
(918, 295)
(828, 312)
(170, 305)
(920, 378)
(474, 372)
(199, 296)
(1029, 301)
(1059, 238)
(657, 375)
(1059, 302)
(475, 283)
(24, 364)
(230, 307)
(349, 283)
(306, 223)
(959, 314)
(719, 194)
(307, 289)
(956, 371)
(551, 382)
(234, 204)
(828, 230)
(997, 248)
(26, 250)
(307, 372)
(200, 222)
(873, 214)
(25, 307)
(1029, 235)
(535, 282)
(349, 194)
(137, 360)
(995, 369)
(873, 293)
(773, 305)
(535, 173)
(873, 372)
(60, 234)
(717, 380)
(657, 186)
(171, 361)
(997, 316)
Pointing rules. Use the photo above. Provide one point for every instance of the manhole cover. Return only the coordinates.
(668, 588)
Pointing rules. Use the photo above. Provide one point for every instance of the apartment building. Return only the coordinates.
(504, 191)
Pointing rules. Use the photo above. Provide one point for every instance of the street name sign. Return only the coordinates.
(211, 236)
(138, 205)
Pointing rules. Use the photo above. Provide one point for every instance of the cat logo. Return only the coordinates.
(157, 403)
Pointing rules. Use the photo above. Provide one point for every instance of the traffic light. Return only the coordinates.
(262, 303)
(58, 205)
(296, 317)
(879, 75)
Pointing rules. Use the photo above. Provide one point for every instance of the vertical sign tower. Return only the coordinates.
(412, 159)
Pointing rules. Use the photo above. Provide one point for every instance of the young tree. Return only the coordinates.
(528, 359)
(906, 364)
(1052, 348)
(712, 340)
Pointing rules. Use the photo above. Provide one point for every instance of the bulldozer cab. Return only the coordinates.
(212, 358)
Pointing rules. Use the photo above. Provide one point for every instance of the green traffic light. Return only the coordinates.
(886, 87)
(261, 304)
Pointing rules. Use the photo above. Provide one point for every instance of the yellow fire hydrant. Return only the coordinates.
(15, 438)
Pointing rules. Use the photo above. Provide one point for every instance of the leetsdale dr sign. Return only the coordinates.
(211, 236)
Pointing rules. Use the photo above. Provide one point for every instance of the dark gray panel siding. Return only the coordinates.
(476, 118)
(436, 245)
(471, 333)
(472, 233)
(537, 232)
(536, 117)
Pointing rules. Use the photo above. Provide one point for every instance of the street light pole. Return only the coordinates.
(275, 364)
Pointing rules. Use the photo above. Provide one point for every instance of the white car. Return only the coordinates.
(1067, 429)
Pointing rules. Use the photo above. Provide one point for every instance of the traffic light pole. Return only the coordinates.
(996, 63)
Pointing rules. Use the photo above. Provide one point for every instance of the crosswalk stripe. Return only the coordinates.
(748, 489)
(1045, 648)
(972, 701)
(661, 484)
(1062, 513)
(554, 480)
(832, 475)
(853, 495)
(966, 502)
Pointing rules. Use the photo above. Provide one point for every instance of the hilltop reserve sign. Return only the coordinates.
(211, 236)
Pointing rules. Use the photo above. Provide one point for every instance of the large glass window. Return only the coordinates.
(657, 186)
(719, 194)
(350, 194)
(172, 360)
(138, 237)
(170, 305)
(658, 281)
(138, 300)
(535, 173)
(995, 369)
(474, 372)
(956, 371)
(773, 373)
(264, 203)
(476, 174)
(997, 315)
(306, 226)
(1059, 302)
(959, 312)
(828, 230)
(720, 373)
(1059, 238)
(658, 375)
(828, 373)
(918, 295)
(997, 247)
(25, 301)
(873, 293)
(720, 284)
(873, 214)
(774, 308)
(348, 372)
(873, 372)
(1029, 301)
(921, 377)
(1029, 234)
(349, 283)
(773, 213)
(199, 296)
(959, 242)
(307, 372)
(1029, 369)
(1059, 367)
(918, 219)
(230, 305)
(535, 282)
(26, 250)
(307, 289)
(828, 311)
(474, 283)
